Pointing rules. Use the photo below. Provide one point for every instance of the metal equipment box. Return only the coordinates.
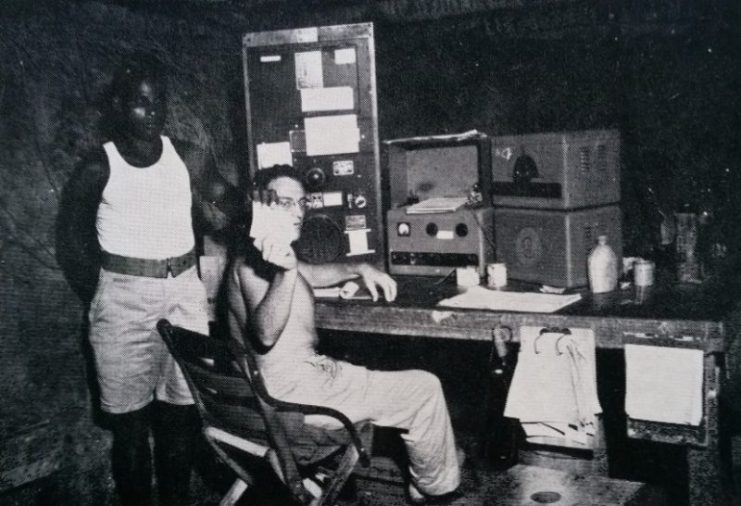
(432, 167)
(311, 103)
(437, 166)
(551, 247)
(565, 170)
(435, 244)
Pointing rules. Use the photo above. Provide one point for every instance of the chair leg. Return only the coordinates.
(339, 478)
(235, 492)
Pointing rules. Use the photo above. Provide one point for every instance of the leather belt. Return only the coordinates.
(148, 268)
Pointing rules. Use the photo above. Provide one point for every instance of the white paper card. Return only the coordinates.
(663, 384)
(358, 242)
(309, 73)
(329, 135)
(344, 56)
(335, 98)
(274, 153)
(332, 199)
(270, 58)
(270, 222)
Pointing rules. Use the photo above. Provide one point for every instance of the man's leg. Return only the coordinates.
(132, 457)
(412, 400)
(175, 434)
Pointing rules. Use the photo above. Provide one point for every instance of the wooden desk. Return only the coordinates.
(694, 316)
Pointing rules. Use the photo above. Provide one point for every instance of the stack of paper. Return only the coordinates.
(479, 297)
(437, 205)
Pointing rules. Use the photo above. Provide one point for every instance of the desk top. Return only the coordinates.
(687, 313)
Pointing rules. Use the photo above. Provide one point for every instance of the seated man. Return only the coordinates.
(271, 308)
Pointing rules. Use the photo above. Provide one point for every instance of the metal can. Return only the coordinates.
(496, 275)
(643, 272)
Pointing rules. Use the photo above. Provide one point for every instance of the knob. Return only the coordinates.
(360, 201)
(431, 229)
(461, 230)
(315, 178)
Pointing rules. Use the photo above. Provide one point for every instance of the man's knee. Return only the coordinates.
(426, 383)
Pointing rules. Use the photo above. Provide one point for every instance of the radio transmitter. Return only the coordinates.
(435, 244)
(311, 104)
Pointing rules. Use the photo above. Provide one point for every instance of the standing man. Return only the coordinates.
(271, 309)
(126, 239)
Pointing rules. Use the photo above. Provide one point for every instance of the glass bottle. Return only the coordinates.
(602, 267)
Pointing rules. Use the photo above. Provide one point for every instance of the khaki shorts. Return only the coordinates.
(132, 361)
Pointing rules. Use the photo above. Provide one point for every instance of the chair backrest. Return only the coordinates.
(230, 396)
(224, 396)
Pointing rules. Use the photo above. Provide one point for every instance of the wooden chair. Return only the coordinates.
(240, 420)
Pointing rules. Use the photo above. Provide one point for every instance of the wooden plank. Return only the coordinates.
(477, 325)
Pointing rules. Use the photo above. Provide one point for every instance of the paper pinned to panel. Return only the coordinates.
(329, 135)
(344, 56)
(664, 384)
(358, 242)
(334, 98)
(309, 70)
(274, 153)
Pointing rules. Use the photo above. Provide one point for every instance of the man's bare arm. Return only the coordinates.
(263, 305)
(333, 273)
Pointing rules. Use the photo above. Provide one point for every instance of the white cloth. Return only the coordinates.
(145, 212)
(412, 400)
(663, 384)
(555, 384)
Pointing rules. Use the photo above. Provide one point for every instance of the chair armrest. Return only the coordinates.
(236, 441)
(247, 363)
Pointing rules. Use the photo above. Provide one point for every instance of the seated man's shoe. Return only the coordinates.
(416, 496)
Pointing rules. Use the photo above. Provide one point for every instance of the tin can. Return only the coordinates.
(643, 272)
(496, 275)
(467, 276)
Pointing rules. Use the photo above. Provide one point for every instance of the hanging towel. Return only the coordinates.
(554, 387)
(663, 384)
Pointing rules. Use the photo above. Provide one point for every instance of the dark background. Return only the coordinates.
(663, 72)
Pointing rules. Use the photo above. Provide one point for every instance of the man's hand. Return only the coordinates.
(374, 279)
(277, 251)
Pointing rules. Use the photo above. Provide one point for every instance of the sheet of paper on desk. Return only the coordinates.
(479, 297)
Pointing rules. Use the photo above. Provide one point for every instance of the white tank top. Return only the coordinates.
(146, 212)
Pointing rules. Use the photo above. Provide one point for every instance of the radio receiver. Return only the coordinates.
(452, 170)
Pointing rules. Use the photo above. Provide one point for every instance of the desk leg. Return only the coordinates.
(705, 488)
(704, 464)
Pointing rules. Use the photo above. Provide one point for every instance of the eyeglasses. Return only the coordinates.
(287, 203)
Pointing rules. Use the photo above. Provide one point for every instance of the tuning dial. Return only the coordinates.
(431, 229)
(461, 230)
(315, 178)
